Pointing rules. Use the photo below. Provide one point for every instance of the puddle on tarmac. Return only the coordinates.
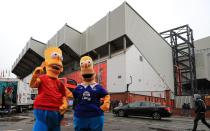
(116, 129)
(159, 129)
(196, 130)
(11, 119)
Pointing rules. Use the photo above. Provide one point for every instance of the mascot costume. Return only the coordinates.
(88, 112)
(51, 102)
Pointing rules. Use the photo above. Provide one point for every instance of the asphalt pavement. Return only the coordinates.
(25, 121)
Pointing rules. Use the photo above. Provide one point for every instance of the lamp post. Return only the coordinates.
(127, 89)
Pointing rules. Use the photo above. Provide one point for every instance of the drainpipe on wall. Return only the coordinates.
(168, 97)
(127, 90)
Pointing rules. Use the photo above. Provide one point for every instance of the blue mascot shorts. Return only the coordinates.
(47, 120)
(89, 124)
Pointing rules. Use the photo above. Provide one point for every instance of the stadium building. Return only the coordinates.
(132, 60)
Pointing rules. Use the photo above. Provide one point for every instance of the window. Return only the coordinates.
(157, 104)
(152, 104)
(141, 58)
(72, 82)
(147, 104)
(136, 104)
(144, 104)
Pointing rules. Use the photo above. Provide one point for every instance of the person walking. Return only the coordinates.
(200, 109)
(120, 103)
(188, 109)
(184, 109)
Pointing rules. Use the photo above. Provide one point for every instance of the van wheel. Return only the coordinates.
(19, 109)
(156, 116)
(121, 113)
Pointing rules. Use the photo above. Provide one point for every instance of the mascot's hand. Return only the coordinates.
(64, 106)
(105, 106)
(39, 70)
(69, 94)
(35, 81)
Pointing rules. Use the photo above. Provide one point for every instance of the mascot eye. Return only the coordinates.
(81, 63)
(89, 62)
(54, 55)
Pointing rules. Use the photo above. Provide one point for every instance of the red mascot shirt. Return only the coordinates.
(50, 93)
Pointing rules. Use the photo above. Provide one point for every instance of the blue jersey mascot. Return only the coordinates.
(88, 112)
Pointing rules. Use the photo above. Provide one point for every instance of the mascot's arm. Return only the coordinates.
(66, 95)
(105, 106)
(64, 106)
(35, 81)
(69, 94)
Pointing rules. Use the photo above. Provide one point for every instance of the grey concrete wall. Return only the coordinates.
(202, 58)
(69, 36)
(116, 74)
(203, 43)
(35, 45)
(144, 78)
(151, 45)
(108, 28)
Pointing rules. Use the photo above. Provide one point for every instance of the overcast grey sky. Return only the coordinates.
(41, 19)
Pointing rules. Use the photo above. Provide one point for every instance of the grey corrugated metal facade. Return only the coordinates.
(202, 57)
(202, 54)
(116, 31)
(30, 57)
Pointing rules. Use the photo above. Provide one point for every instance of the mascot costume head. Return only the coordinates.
(53, 61)
(87, 71)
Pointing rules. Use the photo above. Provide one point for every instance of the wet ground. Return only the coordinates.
(25, 121)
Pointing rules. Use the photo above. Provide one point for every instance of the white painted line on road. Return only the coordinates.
(14, 130)
(26, 117)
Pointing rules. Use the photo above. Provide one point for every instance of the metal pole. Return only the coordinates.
(109, 50)
(124, 43)
(99, 73)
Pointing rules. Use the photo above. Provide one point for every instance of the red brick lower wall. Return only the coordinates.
(119, 96)
(127, 97)
(178, 112)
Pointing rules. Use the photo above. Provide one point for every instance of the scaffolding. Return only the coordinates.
(181, 42)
